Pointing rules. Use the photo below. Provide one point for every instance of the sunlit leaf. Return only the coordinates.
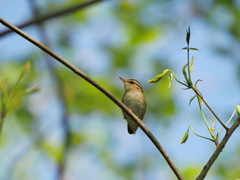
(185, 137)
(195, 49)
(170, 80)
(212, 120)
(192, 99)
(200, 102)
(3, 89)
(238, 109)
(11, 95)
(192, 64)
(184, 71)
(160, 76)
(27, 66)
(213, 126)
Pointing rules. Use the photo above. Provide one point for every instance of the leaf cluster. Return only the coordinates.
(11, 95)
(187, 70)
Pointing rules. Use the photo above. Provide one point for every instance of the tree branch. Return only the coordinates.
(215, 155)
(102, 89)
(50, 15)
(205, 102)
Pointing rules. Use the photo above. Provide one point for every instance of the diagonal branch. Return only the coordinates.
(215, 155)
(205, 102)
(51, 15)
(102, 89)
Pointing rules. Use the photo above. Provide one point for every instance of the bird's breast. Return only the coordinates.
(134, 101)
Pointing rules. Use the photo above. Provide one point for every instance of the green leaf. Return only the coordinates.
(185, 48)
(213, 126)
(195, 49)
(4, 92)
(184, 71)
(185, 137)
(24, 71)
(160, 76)
(192, 99)
(200, 101)
(212, 120)
(238, 109)
(170, 80)
(192, 65)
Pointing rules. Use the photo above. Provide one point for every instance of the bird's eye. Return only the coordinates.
(131, 82)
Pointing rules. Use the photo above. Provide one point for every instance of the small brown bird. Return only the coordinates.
(134, 99)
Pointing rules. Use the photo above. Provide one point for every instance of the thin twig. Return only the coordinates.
(51, 15)
(102, 89)
(215, 155)
(205, 102)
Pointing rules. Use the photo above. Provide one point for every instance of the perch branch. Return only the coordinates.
(102, 89)
(205, 102)
(215, 155)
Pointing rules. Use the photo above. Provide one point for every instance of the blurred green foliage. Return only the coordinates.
(12, 93)
(191, 172)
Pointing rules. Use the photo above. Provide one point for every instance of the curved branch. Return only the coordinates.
(51, 15)
(100, 88)
(215, 155)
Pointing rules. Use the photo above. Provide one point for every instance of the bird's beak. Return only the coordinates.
(123, 80)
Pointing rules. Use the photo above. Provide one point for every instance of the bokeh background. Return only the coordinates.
(69, 130)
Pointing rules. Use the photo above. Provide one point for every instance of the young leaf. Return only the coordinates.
(184, 71)
(185, 137)
(3, 89)
(24, 71)
(4, 95)
(185, 48)
(192, 99)
(212, 122)
(195, 49)
(170, 80)
(192, 64)
(200, 101)
(160, 76)
(238, 109)
(213, 126)
(188, 35)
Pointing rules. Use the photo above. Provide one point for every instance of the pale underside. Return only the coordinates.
(136, 102)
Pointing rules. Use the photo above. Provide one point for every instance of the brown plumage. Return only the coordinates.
(135, 100)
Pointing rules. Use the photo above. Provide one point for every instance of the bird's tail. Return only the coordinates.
(132, 128)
